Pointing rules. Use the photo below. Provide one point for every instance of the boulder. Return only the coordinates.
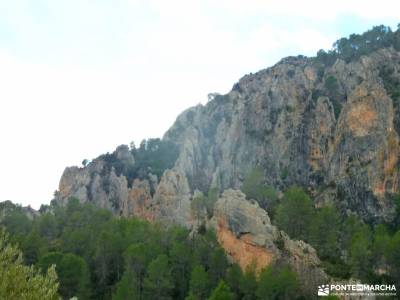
(245, 231)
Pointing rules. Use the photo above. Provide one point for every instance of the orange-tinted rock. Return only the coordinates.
(139, 202)
(245, 232)
(361, 119)
(243, 250)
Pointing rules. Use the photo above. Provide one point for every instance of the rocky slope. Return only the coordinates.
(331, 129)
(340, 139)
(245, 232)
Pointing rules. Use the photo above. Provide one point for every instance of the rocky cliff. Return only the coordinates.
(333, 129)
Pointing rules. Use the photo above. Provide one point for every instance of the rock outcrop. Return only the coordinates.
(304, 124)
(245, 232)
(139, 202)
(94, 183)
(333, 130)
(165, 201)
(172, 199)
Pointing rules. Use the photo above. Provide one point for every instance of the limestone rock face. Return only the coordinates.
(94, 183)
(245, 232)
(73, 183)
(167, 201)
(242, 217)
(98, 182)
(324, 128)
(171, 201)
(139, 201)
(331, 129)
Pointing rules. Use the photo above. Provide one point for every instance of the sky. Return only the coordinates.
(80, 77)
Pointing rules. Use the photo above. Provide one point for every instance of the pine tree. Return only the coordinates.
(158, 284)
(127, 288)
(18, 281)
(294, 214)
(221, 292)
(199, 283)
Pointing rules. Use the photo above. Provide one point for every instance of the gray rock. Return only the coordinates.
(96, 183)
(171, 201)
(300, 131)
(338, 141)
(245, 232)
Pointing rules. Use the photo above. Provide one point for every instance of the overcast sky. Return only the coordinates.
(79, 77)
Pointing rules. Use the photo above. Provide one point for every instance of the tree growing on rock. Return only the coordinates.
(294, 213)
(254, 188)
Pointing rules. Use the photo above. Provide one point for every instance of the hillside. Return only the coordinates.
(298, 162)
(329, 124)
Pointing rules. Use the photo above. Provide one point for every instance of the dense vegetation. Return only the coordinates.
(350, 49)
(153, 156)
(357, 45)
(22, 282)
(254, 188)
(347, 246)
(98, 256)
(203, 205)
(94, 255)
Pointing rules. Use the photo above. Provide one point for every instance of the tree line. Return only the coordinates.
(347, 246)
(357, 45)
(96, 255)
